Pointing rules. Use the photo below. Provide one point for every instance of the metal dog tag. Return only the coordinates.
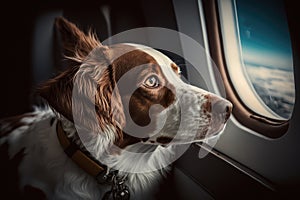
(119, 190)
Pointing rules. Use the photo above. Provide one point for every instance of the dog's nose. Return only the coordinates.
(221, 107)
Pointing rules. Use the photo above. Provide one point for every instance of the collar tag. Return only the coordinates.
(119, 191)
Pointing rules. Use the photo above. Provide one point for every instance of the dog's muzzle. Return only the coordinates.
(220, 112)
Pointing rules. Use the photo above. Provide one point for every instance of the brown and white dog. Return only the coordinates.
(123, 106)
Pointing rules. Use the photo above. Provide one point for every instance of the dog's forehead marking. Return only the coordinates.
(163, 61)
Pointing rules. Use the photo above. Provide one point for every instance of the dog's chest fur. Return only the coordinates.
(46, 166)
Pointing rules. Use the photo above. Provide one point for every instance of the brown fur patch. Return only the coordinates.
(142, 99)
(206, 107)
(175, 68)
(58, 92)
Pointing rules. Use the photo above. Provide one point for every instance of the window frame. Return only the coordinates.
(271, 128)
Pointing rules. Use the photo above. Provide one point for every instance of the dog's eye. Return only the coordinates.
(152, 82)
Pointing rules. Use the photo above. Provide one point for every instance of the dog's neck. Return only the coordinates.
(140, 163)
(135, 157)
(95, 144)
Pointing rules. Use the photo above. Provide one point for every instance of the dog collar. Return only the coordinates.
(94, 168)
(77, 155)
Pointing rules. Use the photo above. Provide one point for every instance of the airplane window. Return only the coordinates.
(258, 54)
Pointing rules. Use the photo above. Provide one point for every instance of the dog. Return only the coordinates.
(113, 122)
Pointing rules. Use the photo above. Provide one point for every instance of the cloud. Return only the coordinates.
(268, 58)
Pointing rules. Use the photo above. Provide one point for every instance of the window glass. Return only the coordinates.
(266, 52)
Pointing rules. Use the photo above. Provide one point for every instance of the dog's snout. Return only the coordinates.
(221, 107)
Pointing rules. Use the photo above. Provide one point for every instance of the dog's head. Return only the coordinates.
(138, 92)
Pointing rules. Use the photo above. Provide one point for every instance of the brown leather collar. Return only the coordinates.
(78, 156)
(97, 170)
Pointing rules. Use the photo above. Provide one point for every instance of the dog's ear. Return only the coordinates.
(58, 92)
(85, 92)
(77, 45)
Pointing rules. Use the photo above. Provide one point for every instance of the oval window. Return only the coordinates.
(258, 54)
